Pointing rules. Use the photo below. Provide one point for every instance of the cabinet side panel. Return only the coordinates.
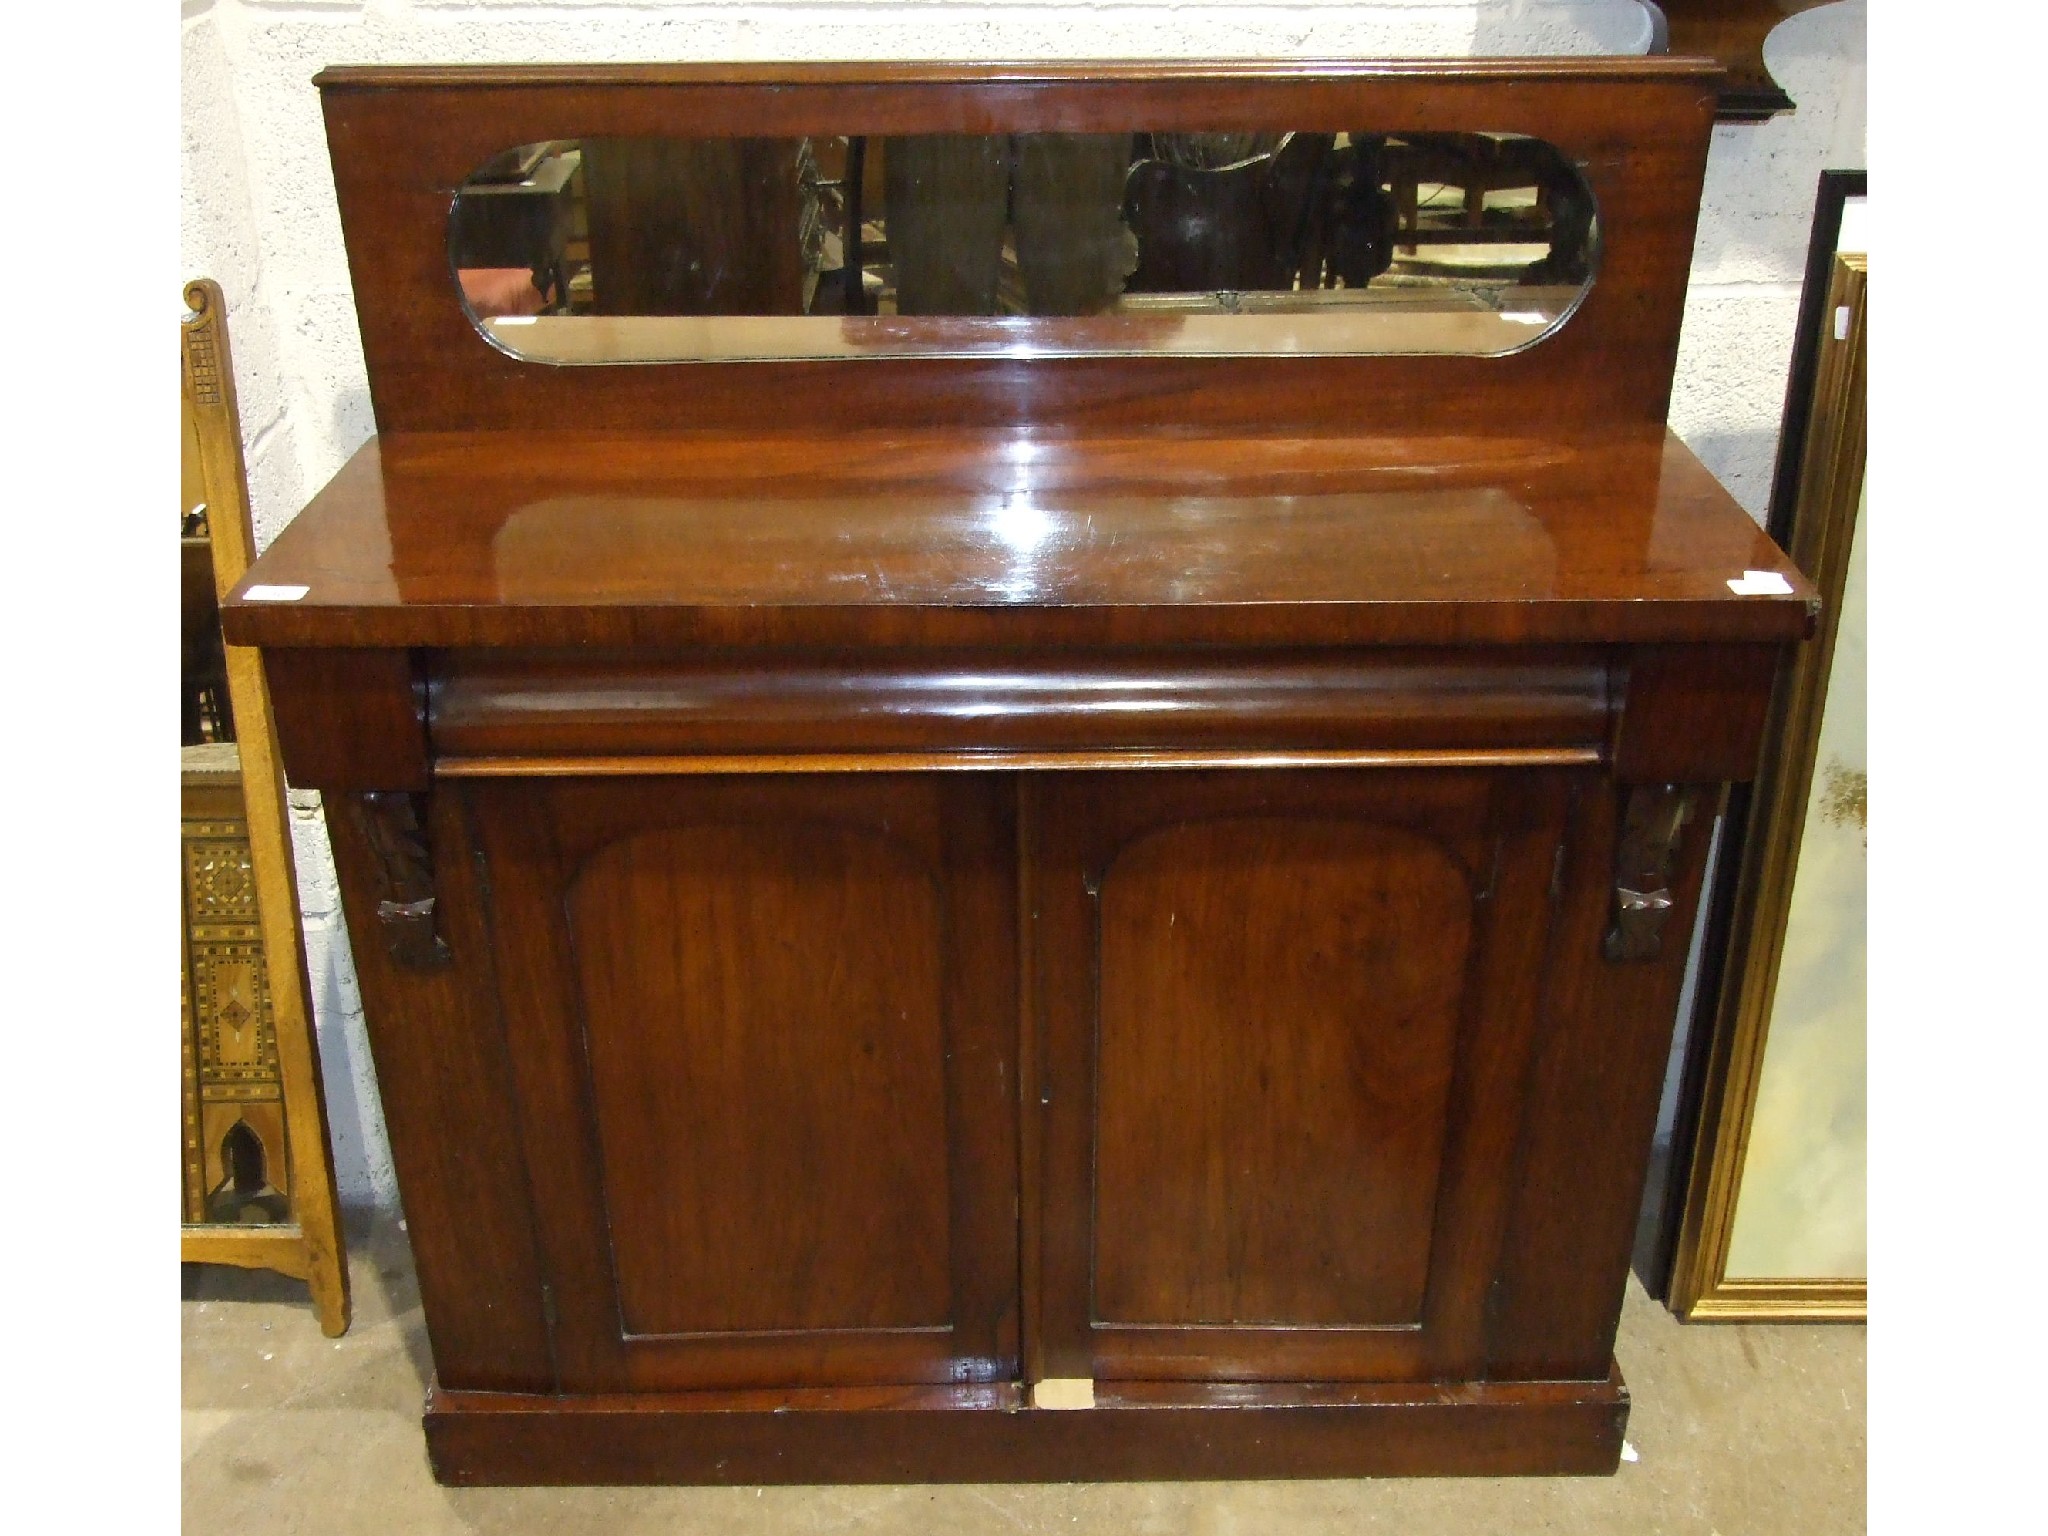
(445, 1083)
(1606, 1034)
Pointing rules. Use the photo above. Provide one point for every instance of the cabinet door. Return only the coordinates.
(763, 1034)
(1283, 1025)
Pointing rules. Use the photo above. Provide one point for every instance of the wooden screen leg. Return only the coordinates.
(327, 1277)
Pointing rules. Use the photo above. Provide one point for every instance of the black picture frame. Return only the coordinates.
(1664, 1195)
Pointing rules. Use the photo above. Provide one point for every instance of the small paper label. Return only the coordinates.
(1841, 322)
(1759, 584)
(264, 594)
(1064, 1392)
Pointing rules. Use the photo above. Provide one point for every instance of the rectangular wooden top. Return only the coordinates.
(375, 77)
(904, 539)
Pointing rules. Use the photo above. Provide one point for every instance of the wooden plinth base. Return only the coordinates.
(985, 1434)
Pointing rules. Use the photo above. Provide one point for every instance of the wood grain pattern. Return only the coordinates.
(1591, 1109)
(1136, 1432)
(870, 994)
(909, 539)
(1139, 760)
(776, 1127)
(1732, 31)
(1639, 128)
(350, 718)
(764, 1029)
(1278, 1025)
(585, 705)
(444, 1078)
(282, 1248)
(1693, 713)
(1142, 1158)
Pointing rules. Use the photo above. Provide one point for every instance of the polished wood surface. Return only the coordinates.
(1302, 964)
(280, 1249)
(1589, 1107)
(1693, 712)
(936, 539)
(767, 1071)
(764, 1029)
(973, 874)
(691, 703)
(1267, 1154)
(1136, 1432)
(969, 761)
(1660, 714)
(1733, 32)
(350, 717)
(444, 1077)
(1639, 128)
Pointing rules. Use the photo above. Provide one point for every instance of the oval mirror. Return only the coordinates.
(646, 250)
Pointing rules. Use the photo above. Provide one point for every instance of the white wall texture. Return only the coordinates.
(259, 216)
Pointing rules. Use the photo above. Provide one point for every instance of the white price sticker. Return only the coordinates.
(266, 594)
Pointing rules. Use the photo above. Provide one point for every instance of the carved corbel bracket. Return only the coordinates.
(391, 819)
(1651, 822)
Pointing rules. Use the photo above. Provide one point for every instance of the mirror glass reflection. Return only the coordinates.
(606, 250)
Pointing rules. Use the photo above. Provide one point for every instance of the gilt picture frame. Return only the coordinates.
(1771, 1226)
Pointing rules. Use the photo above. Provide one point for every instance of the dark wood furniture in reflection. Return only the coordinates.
(520, 213)
(1559, 216)
(892, 895)
(693, 228)
(204, 712)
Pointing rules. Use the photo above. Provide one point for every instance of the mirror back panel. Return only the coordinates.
(1470, 246)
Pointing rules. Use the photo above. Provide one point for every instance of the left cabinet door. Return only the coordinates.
(763, 1037)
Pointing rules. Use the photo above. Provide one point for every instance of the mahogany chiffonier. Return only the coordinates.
(1020, 756)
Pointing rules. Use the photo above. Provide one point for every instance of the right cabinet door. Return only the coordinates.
(1282, 1028)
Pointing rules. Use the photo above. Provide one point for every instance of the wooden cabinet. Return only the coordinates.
(933, 914)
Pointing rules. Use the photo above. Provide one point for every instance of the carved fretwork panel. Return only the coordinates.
(393, 820)
(1652, 820)
(236, 1165)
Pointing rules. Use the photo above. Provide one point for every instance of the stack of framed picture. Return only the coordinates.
(1761, 1215)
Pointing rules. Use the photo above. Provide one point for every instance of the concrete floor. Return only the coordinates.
(1738, 1430)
